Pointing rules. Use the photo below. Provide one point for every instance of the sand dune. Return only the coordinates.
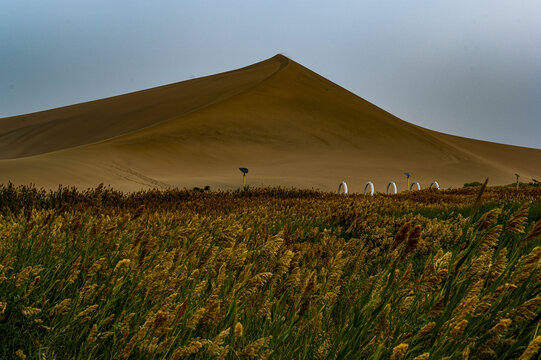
(287, 124)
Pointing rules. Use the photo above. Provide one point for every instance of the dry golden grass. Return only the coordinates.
(271, 273)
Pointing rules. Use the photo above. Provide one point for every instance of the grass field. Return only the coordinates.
(270, 273)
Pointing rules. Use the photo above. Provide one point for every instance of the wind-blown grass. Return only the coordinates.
(271, 273)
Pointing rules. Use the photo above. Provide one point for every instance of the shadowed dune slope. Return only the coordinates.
(287, 124)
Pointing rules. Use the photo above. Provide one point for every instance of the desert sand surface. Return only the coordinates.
(288, 125)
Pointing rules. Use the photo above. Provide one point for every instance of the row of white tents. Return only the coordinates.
(369, 187)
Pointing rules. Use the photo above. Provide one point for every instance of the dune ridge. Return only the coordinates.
(287, 124)
(97, 120)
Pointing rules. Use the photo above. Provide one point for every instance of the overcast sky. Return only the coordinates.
(470, 68)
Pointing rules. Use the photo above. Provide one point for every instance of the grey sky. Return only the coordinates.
(470, 68)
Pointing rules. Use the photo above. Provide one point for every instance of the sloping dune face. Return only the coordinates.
(287, 124)
(85, 123)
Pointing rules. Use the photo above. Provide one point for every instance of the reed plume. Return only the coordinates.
(532, 349)
(238, 330)
(399, 351)
(488, 219)
(402, 235)
(515, 224)
(534, 233)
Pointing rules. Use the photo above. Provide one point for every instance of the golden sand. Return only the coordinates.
(287, 124)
